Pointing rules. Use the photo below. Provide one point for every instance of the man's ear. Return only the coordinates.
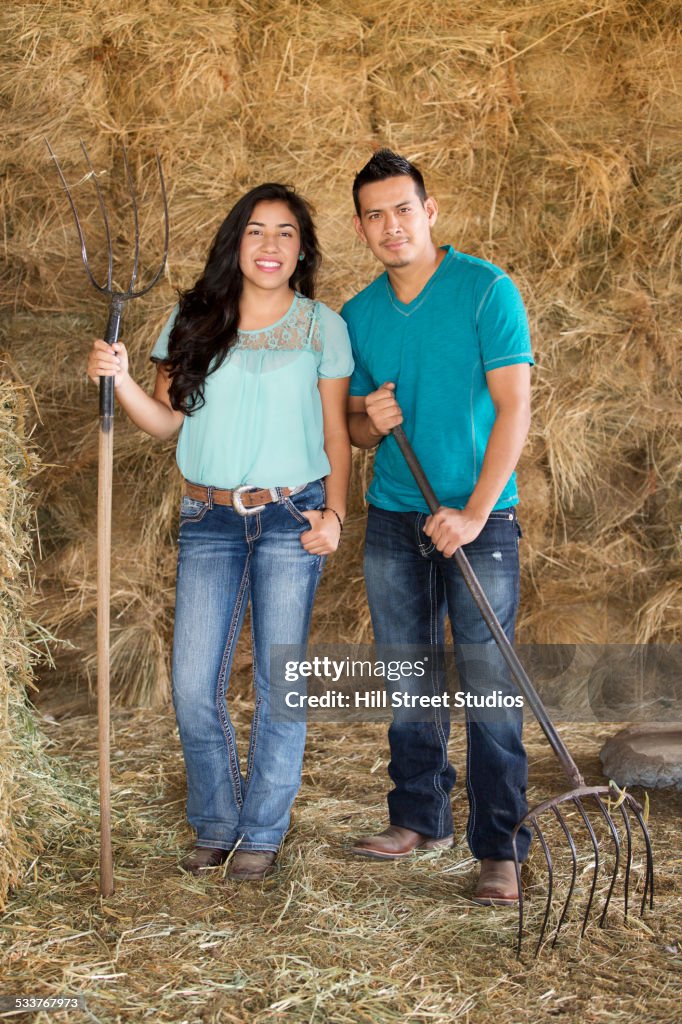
(431, 207)
(359, 230)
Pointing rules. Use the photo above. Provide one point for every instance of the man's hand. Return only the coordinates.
(451, 528)
(382, 410)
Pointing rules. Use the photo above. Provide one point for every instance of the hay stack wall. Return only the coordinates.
(35, 797)
(15, 671)
(550, 134)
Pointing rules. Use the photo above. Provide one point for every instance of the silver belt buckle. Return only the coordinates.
(238, 504)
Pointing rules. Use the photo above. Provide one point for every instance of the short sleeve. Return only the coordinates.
(502, 326)
(336, 359)
(160, 350)
(360, 383)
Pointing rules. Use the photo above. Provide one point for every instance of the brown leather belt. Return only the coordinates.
(245, 500)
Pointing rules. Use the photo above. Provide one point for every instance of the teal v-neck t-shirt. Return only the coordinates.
(468, 319)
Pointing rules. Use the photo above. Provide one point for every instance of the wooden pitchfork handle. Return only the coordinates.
(117, 300)
(104, 491)
(506, 649)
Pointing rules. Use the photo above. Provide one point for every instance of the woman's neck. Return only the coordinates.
(260, 307)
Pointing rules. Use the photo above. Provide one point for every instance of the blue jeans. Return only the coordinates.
(410, 585)
(224, 560)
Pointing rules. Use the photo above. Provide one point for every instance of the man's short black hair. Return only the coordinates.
(387, 164)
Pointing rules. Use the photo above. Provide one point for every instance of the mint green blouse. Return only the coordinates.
(261, 423)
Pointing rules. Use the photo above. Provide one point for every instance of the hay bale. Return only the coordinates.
(32, 792)
(15, 666)
(549, 133)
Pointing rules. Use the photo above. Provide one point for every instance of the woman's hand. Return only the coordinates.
(324, 534)
(108, 361)
(152, 413)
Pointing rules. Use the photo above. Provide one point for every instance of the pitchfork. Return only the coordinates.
(580, 792)
(117, 301)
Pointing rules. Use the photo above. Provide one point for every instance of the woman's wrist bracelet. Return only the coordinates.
(327, 508)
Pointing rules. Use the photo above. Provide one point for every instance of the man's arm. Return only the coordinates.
(371, 417)
(509, 388)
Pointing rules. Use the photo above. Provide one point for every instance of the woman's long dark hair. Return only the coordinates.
(205, 328)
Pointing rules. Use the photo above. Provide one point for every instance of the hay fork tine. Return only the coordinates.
(616, 841)
(117, 300)
(550, 887)
(162, 185)
(595, 874)
(517, 871)
(649, 877)
(136, 220)
(106, 288)
(569, 766)
(628, 861)
(103, 210)
(574, 859)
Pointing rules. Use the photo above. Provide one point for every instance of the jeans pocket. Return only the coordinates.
(192, 510)
(298, 516)
(310, 499)
(503, 515)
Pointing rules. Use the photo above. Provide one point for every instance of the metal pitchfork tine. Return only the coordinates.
(117, 301)
(580, 792)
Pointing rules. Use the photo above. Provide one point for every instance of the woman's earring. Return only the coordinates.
(301, 257)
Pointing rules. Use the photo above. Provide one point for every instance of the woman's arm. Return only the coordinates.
(334, 394)
(151, 413)
(325, 532)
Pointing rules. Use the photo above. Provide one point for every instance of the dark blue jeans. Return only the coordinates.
(410, 586)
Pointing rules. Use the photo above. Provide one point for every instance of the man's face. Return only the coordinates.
(394, 222)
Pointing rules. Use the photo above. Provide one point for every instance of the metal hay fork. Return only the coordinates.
(601, 795)
(117, 301)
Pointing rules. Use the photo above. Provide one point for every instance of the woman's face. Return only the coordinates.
(270, 246)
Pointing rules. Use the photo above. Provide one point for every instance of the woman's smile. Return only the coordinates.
(268, 266)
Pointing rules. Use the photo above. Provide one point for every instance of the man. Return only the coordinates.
(441, 344)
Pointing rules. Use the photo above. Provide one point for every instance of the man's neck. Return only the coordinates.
(407, 282)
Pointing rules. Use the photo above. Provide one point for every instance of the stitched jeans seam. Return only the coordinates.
(433, 601)
(257, 702)
(220, 689)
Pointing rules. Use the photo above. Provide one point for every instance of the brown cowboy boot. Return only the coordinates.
(497, 884)
(396, 842)
(202, 858)
(251, 865)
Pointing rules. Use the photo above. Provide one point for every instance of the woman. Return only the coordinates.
(255, 373)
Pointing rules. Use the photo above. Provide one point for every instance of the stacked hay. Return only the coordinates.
(32, 792)
(550, 135)
(15, 673)
(15, 664)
